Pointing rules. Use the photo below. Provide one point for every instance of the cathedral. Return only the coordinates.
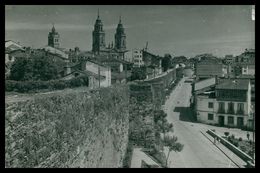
(99, 45)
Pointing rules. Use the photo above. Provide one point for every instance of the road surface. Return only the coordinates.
(198, 151)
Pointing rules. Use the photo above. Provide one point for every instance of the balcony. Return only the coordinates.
(221, 111)
(230, 111)
(240, 112)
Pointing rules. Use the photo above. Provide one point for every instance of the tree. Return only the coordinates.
(138, 73)
(21, 69)
(44, 68)
(34, 68)
(166, 62)
(171, 142)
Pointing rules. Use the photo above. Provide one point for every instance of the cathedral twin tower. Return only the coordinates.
(98, 35)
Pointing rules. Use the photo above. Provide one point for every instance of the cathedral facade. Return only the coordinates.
(99, 45)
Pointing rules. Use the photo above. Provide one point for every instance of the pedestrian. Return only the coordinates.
(248, 135)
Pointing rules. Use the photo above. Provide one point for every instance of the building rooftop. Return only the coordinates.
(110, 59)
(204, 83)
(246, 76)
(234, 84)
(87, 73)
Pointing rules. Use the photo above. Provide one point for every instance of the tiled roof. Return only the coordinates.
(87, 73)
(234, 84)
(110, 59)
(121, 75)
(246, 76)
(204, 83)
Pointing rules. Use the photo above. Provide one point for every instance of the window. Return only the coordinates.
(210, 105)
(230, 120)
(221, 108)
(210, 117)
(240, 108)
(230, 107)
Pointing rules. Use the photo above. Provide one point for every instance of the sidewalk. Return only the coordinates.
(235, 161)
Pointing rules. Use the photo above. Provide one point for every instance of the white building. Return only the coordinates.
(129, 56)
(138, 58)
(248, 69)
(228, 105)
(98, 69)
(56, 51)
(11, 45)
(229, 59)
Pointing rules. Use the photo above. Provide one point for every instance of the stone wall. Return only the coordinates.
(80, 129)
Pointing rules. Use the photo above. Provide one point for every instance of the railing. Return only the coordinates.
(222, 111)
(240, 112)
(231, 111)
(234, 149)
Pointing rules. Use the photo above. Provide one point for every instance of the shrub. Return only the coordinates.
(58, 84)
(226, 134)
(235, 143)
(28, 86)
(232, 136)
(243, 148)
(240, 139)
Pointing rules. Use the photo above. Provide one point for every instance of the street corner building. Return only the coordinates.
(224, 102)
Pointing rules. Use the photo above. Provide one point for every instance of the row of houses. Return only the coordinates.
(230, 67)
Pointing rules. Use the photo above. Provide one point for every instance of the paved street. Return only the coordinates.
(198, 151)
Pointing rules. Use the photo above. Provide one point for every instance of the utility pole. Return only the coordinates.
(125, 72)
(99, 76)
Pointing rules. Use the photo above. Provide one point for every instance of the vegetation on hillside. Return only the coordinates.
(34, 68)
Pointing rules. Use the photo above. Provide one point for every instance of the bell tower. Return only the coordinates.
(120, 37)
(54, 38)
(98, 37)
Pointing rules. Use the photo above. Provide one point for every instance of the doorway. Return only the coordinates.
(240, 122)
(221, 120)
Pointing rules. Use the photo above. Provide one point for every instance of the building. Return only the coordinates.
(99, 44)
(153, 62)
(120, 37)
(54, 38)
(238, 69)
(56, 51)
(98, 69)
(12, 48)
(247, 68)
(208, 68)
(226, 104)
(93, 79)
(12, 45)
(98, 37)
(129, 56)
(137, 58)
(229, 59)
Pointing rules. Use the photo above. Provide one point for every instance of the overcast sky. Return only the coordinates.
(179, 30)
